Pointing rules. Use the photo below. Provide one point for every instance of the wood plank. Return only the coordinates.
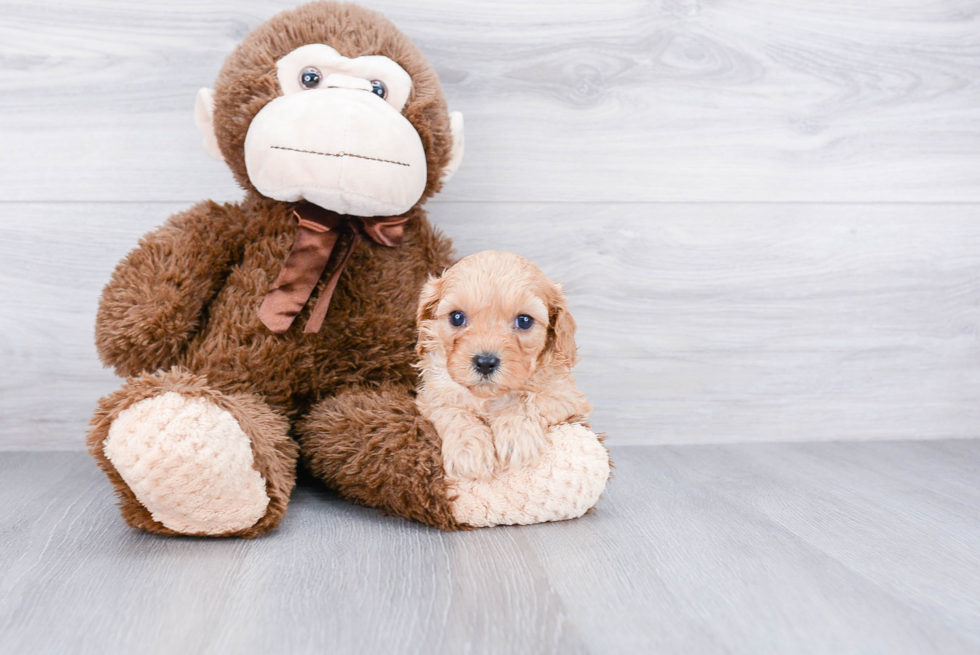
(903, 503)
(755, 100)
(697, 322)
(747, 548)
(719, 528)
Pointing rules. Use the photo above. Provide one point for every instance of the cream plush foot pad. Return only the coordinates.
(565, 483)
(189, 463)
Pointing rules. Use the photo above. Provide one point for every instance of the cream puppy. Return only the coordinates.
(496, 347)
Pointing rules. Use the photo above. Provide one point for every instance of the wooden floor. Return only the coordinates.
(867, 547)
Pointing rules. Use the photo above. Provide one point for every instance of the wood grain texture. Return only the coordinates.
(748, 548)
(697, 322)
(700, 322)
(673, 100)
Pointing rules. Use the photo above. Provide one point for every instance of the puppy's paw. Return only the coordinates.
(469, 454)
(519, 442)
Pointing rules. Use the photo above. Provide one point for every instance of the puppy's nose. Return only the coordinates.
(485, 363)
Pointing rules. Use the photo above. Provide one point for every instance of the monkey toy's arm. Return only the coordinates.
(155, 300)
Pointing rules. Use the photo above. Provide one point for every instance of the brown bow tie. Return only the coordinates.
(318, 232)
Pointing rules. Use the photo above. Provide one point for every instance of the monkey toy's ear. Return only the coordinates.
(456, 158)
(204, 119)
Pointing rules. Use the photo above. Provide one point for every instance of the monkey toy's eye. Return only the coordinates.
(457, 319)
(379, 89)
(309, 78)
(524, 322)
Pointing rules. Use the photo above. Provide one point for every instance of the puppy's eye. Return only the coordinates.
(524, 322)
(379, 89)
(457, 319)
(309, 78)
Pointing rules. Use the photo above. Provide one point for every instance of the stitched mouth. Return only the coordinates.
(340, 154)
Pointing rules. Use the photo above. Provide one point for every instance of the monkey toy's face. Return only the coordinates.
(335, 132)
(336, 137)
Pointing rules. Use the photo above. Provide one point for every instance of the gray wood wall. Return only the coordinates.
(765, 211)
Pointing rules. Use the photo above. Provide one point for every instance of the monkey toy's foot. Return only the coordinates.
(564, 484)
(374, 447)
(186, 459)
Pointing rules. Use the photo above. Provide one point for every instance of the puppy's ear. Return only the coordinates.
(428, 302)
(561, 327)
(429, 299)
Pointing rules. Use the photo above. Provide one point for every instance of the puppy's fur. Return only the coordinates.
(496, 421)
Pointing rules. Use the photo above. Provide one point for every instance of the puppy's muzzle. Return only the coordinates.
(486, 363)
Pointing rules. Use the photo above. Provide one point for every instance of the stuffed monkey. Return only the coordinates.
(283, 326)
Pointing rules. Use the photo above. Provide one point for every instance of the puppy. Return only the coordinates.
(496, 347)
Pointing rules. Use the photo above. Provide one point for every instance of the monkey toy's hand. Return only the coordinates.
(157, 295)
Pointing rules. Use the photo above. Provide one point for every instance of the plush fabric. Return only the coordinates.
(374, 448)
(564, 484)
(181, 311)
(248, 80)
(329, 62)
(273, 451)
(366, 160)
(189, 463)
(180, 319)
